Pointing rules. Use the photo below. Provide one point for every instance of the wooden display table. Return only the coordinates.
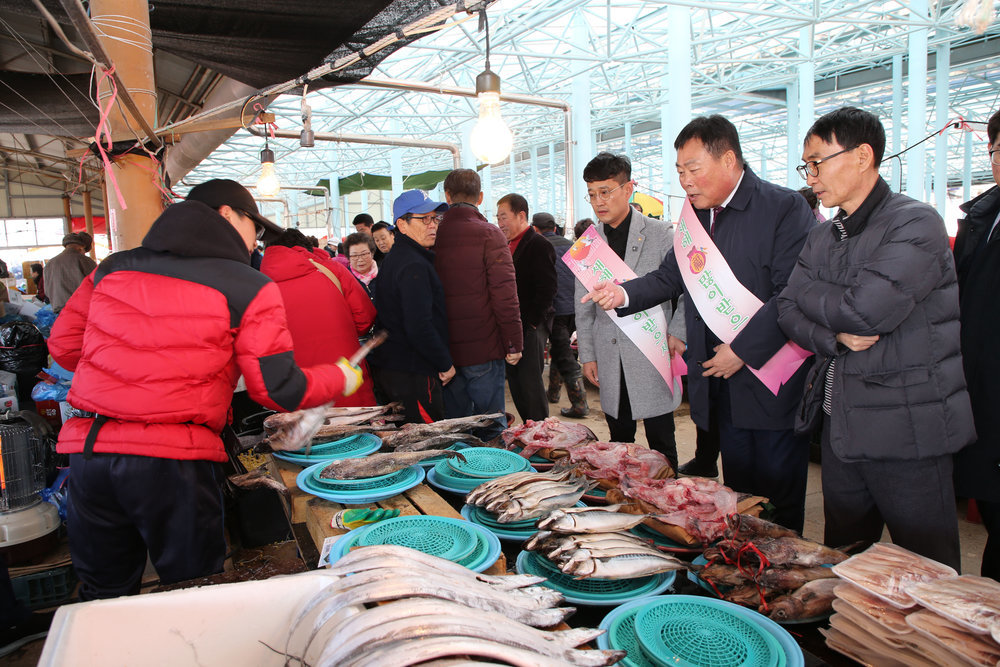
(316, 513)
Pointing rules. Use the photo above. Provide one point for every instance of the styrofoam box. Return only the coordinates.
(207, 626)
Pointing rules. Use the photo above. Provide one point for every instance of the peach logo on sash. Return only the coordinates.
(697, 260)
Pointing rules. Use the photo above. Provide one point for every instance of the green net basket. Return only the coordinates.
(685, 632)
(487, 462)
(454, 541)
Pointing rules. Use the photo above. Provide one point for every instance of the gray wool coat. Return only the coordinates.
(599, 339)
(904, 398)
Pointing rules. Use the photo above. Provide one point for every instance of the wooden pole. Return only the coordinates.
(88, 215)
(68, 215)
(126, 37)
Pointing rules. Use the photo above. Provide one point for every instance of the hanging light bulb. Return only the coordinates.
(491, 139)
(268, 184)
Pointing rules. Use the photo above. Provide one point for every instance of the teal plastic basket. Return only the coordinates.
(484, 551)
(45, 589)
(595, 592)
(453, 541)
(487, 463)
(358, 491)
(684, 632)
(360, 444)
(621, 636)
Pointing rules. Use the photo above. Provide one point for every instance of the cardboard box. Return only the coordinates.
(227, 624)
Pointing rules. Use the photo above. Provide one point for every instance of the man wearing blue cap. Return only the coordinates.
(414, 363)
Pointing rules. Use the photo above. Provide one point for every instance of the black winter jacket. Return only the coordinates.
(410, 305)
(904, 398)
(977, 467)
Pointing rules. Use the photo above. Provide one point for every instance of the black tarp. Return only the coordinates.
(257, 42)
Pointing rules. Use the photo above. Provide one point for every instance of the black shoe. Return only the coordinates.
(35, 627)
(695, 469)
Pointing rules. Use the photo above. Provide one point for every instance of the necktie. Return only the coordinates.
(715, 216)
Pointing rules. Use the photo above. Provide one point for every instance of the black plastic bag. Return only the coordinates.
(22, 348)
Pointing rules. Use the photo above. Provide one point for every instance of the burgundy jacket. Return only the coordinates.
(474, 264)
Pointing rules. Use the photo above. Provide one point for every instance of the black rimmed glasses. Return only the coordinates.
(258, 228)
(811, 167)
(994, 156)
(604, 195)
(428, 218)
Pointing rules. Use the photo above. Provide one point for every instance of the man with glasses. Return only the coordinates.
(484, 323)
(977, 260)
(414, 362)
(757, 229)
(535, 274)
(874, 295)
(158, 336)
(631, 387)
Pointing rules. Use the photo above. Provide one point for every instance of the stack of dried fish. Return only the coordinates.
(521, 496)
(435, 609)
(897, 608)
(592, 543)
(284, 429)
(765, 566)
(374, 465)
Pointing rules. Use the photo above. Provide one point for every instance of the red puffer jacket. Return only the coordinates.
(159, 335)
(325, 320)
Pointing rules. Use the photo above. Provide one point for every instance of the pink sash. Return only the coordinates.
(591, 259)
(722, 301)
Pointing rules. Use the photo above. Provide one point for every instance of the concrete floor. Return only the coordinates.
(973, 535)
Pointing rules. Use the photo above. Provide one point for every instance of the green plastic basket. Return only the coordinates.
(453, 541)
(685, 632)
(621, 637)
(592, 591)
(487, 462)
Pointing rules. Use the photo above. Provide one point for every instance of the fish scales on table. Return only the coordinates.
(412, 433)
(374, 465)
(550, 433)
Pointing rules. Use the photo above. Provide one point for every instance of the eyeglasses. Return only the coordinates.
(428, 218)
(258, 228)
(366, 253)
(811, 167)
(995, 156)
(605, 195)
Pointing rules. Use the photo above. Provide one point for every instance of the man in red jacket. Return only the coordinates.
(484, 324)
(158, 336)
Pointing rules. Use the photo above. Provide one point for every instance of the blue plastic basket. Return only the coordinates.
(359, 492)
(690, 631)
(360, 444)
(593, 592)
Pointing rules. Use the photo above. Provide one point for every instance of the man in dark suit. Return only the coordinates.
(535, 273)
(759, 228)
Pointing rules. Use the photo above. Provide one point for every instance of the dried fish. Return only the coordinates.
(408, 619)
(624, 567)
(374, 465)
(790, 578)
(258, 478)
(411, 433)
(743, 528)
(416, 651)
(811, 600)
(441, 442)
(589, 520)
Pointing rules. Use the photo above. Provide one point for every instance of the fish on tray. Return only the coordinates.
(409, 434)
(550, 433)
(744, 527)
(590, 520)
(812, 600)
(622, 566)
(374, 465)
(441, 442)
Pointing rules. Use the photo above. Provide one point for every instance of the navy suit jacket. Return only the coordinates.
(760, 233)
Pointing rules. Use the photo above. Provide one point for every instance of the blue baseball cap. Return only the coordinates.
(417, 202)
